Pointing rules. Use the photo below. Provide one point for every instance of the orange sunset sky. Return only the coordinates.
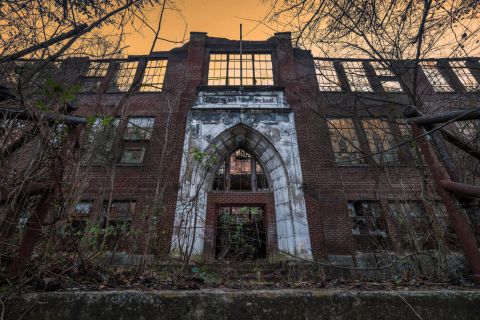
(219, 18)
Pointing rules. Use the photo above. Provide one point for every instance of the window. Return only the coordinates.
(345, 143)
(99, 140)
(83, 208)
(469, 130)
(367, 225)
(38, 82)
(327, 76)
(356, 76)
(97, 69)
(465, 75)
(224, 69)
(132, 155)
(410, 219)
(124, 75)
(92, 79)
(240, 171)
(120, 209)
(387, 77)
(154, 75)
(117, 220)
(139, 128)
(435, 77)
(380, 140)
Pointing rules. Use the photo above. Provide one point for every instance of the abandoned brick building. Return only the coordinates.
(312, 153)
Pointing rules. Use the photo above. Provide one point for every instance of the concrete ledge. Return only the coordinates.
(256, 304)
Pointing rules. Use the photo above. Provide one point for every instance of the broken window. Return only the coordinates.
(327, 76)
(97, 70)
(357, 76)
(345, 143)
(124, 75)
(240, 172)
(73, 233)
(139, 128)
(83, 208)
(231, 69)
(240, 233)
(414, 229)
(116, 222)
(99, 141)
(387, 77)
(469, 130)
(435, 77)
(132, 155)
(367, 226)
(154, 75)
(380, 140)
(465, 75)
(39, 82)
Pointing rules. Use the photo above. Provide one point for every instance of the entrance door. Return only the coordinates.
(240, 233)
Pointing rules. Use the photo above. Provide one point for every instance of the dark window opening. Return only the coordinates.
(240, 172)
(116, 223)
(368, 227)
(240, 234)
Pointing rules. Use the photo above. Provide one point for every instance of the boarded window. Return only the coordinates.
(465, 75)
(139, 128)
(327, 76)
(234, 70)
(345, 143)
(357, 77)
(124, 75)
(435, 77)
(368, 227)
(154, 75)
(380, 140)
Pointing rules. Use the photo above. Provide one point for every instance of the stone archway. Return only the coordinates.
(290, 213)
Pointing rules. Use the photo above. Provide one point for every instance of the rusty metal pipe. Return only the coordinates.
(459, 221)
(459, 115)
(461, 188)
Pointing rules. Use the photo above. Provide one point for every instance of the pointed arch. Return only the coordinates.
(255, 143)
(290, 214)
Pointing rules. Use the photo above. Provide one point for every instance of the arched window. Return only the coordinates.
(240, 171)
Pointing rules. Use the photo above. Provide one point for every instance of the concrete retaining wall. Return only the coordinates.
(262, 304)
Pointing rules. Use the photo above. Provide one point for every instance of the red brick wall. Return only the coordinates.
(327, 186)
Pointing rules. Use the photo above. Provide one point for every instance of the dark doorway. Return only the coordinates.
(240, 233)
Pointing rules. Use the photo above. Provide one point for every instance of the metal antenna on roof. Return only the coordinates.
(241, 56)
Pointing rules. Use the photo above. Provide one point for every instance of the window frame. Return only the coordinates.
(148, 131)
(156, 86)
(327, 84)
(226, 79)
(140, 162)
(358, 160)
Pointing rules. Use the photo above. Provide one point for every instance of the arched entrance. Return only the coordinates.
(287, 228)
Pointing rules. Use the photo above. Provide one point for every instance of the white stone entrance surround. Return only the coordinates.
(262, 123)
